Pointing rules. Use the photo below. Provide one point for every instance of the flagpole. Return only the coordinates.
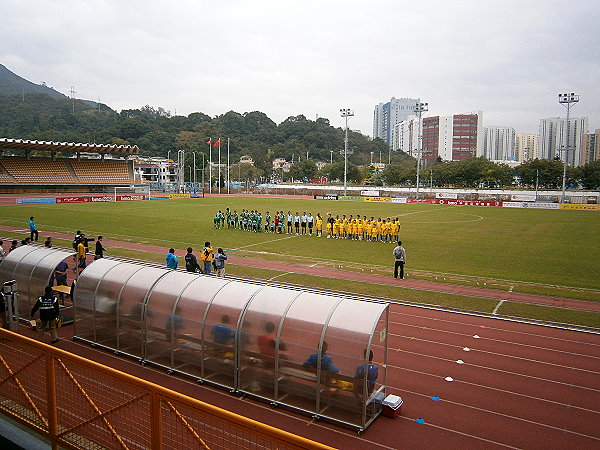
(219, 141)
(210, 166)
(228, 165)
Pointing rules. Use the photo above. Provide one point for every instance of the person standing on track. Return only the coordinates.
(33, 229)
(49, 312)
(220, 258)
(191, 263)
(100, 249)
(207, 256)
(400, 255)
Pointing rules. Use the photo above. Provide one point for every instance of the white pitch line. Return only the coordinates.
(495, 311)
(280, 275)
(264, 242)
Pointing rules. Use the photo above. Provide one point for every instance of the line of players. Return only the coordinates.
(353, 228)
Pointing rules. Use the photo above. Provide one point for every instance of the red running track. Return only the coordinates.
(519, 386)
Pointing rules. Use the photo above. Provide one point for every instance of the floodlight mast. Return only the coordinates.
(420, 108)
(568, 100)
(346, 112)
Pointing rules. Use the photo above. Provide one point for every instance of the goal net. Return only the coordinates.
(133, 192)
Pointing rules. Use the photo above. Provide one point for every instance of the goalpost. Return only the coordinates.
(133, 192)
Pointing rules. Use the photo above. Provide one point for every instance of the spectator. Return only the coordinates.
(207, 256)
(49, 312)
(14, 244)
(220, 258)
(191, 263)
(326, 360)
(2, 252)
(26, 241)
(100, 249)
(172, 261)
(33, 229)
(48, 242)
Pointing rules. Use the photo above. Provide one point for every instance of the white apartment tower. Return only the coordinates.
(499, 143)
(527, 146)
(553, 137)
(387, 115)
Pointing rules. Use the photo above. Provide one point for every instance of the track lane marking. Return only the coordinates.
(506, 415)
(491, 353)
(495, 311)
(537, 347)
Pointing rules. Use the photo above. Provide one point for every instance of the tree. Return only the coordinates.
(304, 169)
(549, 171)
(395, 174)
(590, 175)
(335, 171)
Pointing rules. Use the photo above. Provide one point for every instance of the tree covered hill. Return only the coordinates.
(156, 132)
(13, 84)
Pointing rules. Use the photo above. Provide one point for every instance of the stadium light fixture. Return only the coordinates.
(567, 100)
(346, 112)
(420, 108)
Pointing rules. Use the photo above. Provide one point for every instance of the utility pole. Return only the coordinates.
(568, 100)
(420, 108)
(346, 112)
(73, 98)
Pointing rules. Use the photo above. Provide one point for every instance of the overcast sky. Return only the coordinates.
(509, 59)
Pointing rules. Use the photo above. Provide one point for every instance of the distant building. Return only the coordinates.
(246, 159)
(451, 138)
(553, 137)
(527, 146)
(590, 151)
(161, 170)
(499, 143)
(387, 115)
(281, 164)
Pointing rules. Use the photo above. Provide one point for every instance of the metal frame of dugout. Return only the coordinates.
(248, 337)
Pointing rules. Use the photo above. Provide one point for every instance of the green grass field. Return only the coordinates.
(549, 247)
(549, 252)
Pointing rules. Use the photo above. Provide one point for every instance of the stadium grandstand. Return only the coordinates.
(43, 166)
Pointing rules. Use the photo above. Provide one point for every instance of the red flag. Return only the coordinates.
(218, 143)
(209, 141)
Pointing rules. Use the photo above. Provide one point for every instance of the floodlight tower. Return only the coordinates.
(346, 112)
(420, 108)
(568, 100)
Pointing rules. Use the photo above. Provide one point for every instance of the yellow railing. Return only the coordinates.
(77, 403)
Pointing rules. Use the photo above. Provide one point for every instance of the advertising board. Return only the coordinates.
(522, 198)
(399, 200)
(370, 193)
(130, 197)
(34, 201)
(572, 206)
(448, 195)
(379, 199)
(326, 197)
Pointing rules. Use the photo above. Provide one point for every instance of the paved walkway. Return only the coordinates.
(422, 285)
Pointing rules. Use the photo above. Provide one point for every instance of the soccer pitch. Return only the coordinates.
(550, 247)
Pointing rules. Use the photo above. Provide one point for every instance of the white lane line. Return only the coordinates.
(505, 342)
(461, 433)
(508, 416)
(493, 388)
(453, 322)
(280, 275)
(495, 311)
(264, 242)
(495, 353)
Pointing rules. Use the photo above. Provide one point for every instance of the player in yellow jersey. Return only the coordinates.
(374, 231)
(319, 225)
(354, 229)
(360, 228)
(379, 227)
(336, 227)
(394, 231)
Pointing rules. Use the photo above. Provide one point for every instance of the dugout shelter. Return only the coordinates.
(32, 267)
(246, 336)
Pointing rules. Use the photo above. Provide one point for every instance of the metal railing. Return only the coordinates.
(77, 403)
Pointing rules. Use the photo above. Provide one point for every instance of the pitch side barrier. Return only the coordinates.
(76, 403)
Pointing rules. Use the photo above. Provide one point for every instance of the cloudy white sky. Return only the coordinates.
(509, 59)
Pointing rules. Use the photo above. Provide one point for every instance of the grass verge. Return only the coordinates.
(551, 314)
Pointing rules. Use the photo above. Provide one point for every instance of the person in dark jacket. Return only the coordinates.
(100, 249)
(49, 312)
(191, 263)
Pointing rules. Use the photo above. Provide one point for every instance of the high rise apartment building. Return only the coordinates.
(451, 138)
(527, 146)
(553, 139)
(499, 143)
(590, 149)
(387, 115)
